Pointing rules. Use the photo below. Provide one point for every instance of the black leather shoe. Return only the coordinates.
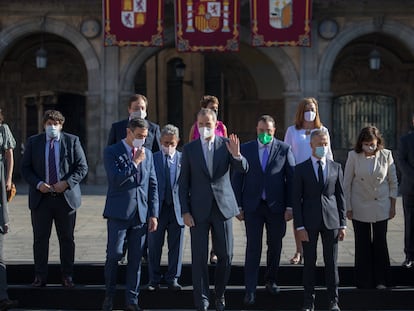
(107, 304)
(249, 299)
(67, 282)
(38, 282)
(408, 263)
(7, 304)
(308, 308)
(174, 286)
(272, 288)
(333, 306)
(220, 304)
(152, 287)
(133, 308)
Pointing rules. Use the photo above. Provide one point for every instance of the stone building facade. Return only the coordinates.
(91, 83)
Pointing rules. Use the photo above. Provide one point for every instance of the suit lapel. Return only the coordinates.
(42, 155)
(274, 149)
(178, 167)
(62, 151)
(218, 142)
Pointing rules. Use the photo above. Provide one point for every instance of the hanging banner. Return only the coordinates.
(281, 22)
(207, 26)
(133, 22)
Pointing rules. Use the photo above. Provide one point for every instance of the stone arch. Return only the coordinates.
(281, 60)
(353, 31)
(11, 34)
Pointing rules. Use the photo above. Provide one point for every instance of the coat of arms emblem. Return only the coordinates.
(280, 13)
(207, 16)
(133, 13)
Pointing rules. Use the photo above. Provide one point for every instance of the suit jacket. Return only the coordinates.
(159, 163)
(198, 190)
(368, 193)
(311, 205)
(406, 164)
(131, 190)
(118, 132)
(72, 167)
(276, 180)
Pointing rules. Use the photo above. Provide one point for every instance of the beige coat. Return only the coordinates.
(368, 192)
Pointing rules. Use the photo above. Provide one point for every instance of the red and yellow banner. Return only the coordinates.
(207, 26)
(133, 22)
(281, 22)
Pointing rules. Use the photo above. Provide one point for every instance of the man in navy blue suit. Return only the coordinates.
(264, 198)
(319, 208)
(207, 200)
(167, 164)
(53, 165)
(131, 208)
(137, 108)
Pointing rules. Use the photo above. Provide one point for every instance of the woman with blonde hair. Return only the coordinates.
(297, 136)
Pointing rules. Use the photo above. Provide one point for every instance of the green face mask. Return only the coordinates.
(264, 138)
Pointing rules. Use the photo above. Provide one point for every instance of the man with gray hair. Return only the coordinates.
(167, 164)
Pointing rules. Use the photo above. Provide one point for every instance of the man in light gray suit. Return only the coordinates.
(207, 200)
(319, 208)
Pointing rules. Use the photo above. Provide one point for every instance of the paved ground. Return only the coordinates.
(90, 234)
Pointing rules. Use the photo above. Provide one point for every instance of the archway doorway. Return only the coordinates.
(28, 90)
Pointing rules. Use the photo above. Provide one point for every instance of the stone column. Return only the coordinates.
(325, 109)
(292, 100)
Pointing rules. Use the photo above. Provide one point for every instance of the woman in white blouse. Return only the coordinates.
(371, 188)
(298, 137)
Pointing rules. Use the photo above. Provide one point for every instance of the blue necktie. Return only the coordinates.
(265, 157)
(168, 191)
(52, 164)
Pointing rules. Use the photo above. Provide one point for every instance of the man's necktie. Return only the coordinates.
(320, 175)
(168, 190)
(52, 164)
(209, 160)
(265, 158)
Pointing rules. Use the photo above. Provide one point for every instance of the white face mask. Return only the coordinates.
(170, 150)
(369, 149)
(321, 151)
(138, 143)
(310, 116)
(206, 132)
(142, 114)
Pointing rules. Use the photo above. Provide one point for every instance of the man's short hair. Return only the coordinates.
(266, 118)
(319, 133)
(136, 97)
(134, 123)
(206, 112)
(207, 99)
(170, 129)
(53, 115)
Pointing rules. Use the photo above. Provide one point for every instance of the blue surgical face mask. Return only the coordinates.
(321, 151)
(52, 131)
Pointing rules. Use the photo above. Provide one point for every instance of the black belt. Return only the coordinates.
(53, 194)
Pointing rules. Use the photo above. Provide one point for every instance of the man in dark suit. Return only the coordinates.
(319, 208)
(137, 108)
(131, 208)
(207, 200)
(167, 164)
(406, 166)
(264, 198)
(53, 165)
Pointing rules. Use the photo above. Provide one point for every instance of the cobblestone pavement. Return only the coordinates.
(90, 234)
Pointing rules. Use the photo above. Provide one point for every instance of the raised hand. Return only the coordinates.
(233, 145)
